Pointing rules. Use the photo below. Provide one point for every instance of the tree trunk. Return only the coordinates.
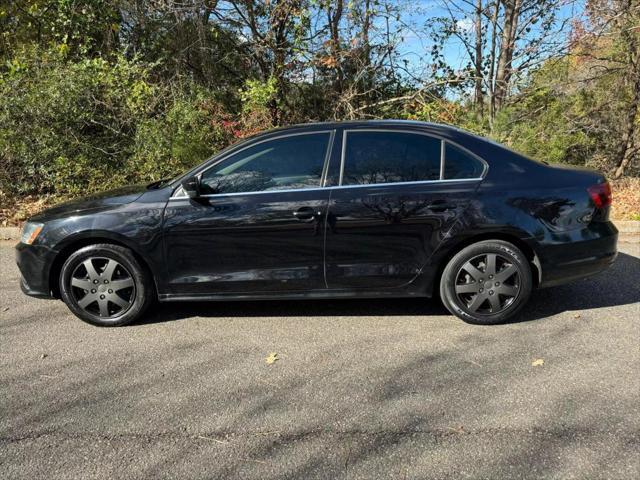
(279, 17)
(334, 18)
(492, 61)
(507, 46)
(478, 94)
(627, 150)
(367, 83)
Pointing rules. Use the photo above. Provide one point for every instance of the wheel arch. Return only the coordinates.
(84, 240)
(514, 238)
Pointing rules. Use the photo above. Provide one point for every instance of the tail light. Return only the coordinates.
(600, 194)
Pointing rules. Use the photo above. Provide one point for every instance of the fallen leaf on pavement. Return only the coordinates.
(272, 358)
(537, 362)
(577, 315)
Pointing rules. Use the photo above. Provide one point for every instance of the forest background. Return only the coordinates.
(97, 94)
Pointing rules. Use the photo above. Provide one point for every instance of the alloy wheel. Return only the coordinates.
(102, 287)
(488, 284)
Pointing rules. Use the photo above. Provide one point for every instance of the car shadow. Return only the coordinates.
(619, 285)
(616, 286)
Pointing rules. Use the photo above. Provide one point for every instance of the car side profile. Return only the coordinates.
(329, 210)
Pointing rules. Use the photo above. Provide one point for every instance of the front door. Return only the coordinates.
(392, 209)
(258, 227)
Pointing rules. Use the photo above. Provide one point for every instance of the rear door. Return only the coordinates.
(258, 228)
(395, 202)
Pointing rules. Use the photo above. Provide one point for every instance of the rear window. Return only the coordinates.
(459, 164)
(389, 157)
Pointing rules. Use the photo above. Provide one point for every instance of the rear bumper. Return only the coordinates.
(34, 263)
(593, 251)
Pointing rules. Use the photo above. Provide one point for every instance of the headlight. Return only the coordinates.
(30, 231)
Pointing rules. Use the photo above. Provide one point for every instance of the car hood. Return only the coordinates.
(110, 198)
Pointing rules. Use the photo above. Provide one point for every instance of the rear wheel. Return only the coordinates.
(487, 282)
(105, 285)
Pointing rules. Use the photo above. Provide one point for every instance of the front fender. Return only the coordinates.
(135, 226)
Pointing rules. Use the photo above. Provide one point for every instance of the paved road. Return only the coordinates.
(363, 389)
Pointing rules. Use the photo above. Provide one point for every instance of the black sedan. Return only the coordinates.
(329, 210)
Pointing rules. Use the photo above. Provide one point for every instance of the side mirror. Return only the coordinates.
(192, 187)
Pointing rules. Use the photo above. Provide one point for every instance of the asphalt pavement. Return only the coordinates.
(361, 389)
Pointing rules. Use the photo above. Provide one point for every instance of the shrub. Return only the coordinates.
(73, 127)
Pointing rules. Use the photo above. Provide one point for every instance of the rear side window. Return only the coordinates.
(388, 157)
(459, 164)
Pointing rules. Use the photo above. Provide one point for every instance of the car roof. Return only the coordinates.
(364, 123)
(447, 131)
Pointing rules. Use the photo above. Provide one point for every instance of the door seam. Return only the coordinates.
(324, 241)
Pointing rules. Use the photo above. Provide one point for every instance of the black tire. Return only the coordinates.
(486, 283)
(88, 274)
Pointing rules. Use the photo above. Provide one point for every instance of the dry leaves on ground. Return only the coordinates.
(626, 198)
(272, 358)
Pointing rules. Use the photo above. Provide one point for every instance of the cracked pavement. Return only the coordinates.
(362, 389)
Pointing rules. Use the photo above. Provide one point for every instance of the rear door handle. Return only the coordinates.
(440, 206)
(306, 214)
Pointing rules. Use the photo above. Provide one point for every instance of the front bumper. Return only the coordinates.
(592, 252)
(34, 263)
(28, 290)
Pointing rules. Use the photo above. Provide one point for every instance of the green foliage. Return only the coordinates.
(77, 28)
(560, 118)
(100, 93)
(68, 128)
(542, 124)
(257, 94)
(189, 131)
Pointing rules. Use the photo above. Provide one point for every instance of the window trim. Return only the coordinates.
(443, 158)
(485, 165)
(443, 143)
(179, 194)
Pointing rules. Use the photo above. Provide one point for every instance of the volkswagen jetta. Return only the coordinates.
(329, 210)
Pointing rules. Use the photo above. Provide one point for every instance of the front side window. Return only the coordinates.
(389, 157)
(284, 163)
(459, 164)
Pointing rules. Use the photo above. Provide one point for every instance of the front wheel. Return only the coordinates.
(486, 282)
(105, 285)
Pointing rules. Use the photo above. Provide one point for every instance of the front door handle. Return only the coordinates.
(440, 206)
(306, 214)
